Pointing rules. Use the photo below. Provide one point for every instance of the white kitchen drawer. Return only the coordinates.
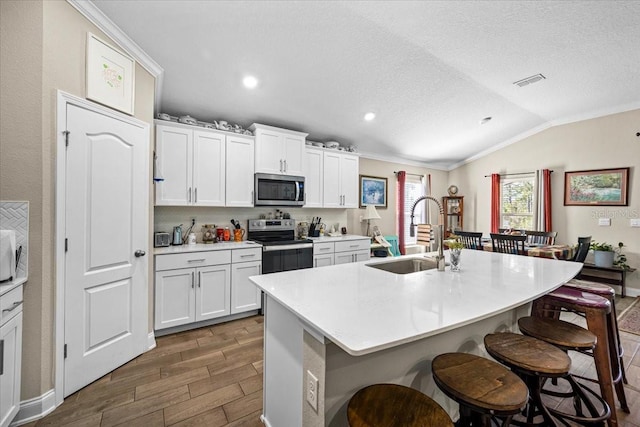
(246, 255)
(323, 248)
(353, 245)
(11, 304)
(192, 259)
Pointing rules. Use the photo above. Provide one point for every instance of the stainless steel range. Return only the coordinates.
(281, 251)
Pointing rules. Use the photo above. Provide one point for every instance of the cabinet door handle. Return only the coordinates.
(285, 166)
(196, 260)
(1, 357)
(189, 195)
(195, 197)
(199, 278)
(193, 278)
(13, 307)
(247, 256)
(281, 165)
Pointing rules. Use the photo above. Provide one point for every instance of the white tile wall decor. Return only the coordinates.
(15, 216)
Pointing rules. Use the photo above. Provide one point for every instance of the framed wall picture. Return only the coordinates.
(110, 75)
(373, 191)
(599, 187)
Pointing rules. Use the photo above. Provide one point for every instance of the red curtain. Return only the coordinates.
(402, 177)
(495, 202)
(546, 182)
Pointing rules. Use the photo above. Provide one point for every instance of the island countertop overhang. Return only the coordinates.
(363, 310)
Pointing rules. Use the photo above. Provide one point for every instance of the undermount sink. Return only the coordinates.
(406, 266)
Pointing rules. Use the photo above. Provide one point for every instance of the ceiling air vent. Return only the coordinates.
(530, 80)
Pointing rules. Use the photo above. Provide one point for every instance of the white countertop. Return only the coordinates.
(9, 286)
(363, 309)
(201, 247)
(341, 238)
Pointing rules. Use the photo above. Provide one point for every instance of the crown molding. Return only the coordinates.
(90, 11)
(402, 161)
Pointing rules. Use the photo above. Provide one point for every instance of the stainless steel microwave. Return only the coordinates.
(278, 190)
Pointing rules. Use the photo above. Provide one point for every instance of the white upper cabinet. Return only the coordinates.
(208, 168)
(174, 148)
(240, 160)
(203, 167)
(340, 180)
(278, 151)
(314, 161)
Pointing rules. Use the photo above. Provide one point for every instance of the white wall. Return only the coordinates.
(604, 142)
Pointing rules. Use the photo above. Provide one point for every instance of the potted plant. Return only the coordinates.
(604, 254)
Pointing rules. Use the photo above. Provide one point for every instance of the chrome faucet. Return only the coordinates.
(412, 233)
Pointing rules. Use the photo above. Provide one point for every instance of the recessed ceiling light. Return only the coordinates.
(485, 120)
(369, 116)
(250, 82)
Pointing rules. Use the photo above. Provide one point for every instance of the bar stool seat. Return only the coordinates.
(482, 388)
(612, 319)
(381, 405)
(536, 361)
(597, 311)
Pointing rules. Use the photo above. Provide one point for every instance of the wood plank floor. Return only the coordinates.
(213, 377)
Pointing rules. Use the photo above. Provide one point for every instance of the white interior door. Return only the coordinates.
(107, 215)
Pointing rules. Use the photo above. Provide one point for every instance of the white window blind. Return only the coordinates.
(414, 188)
(518, 204)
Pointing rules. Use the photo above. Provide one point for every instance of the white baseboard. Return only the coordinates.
(36, 408)
(151, 341)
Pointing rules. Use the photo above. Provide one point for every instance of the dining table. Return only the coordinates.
(561, 252)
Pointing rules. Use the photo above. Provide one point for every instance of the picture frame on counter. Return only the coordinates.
(597, 187)
(373, 191)
(110, 76)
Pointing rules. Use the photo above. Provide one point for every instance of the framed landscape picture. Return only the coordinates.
(600, 187)
(110, 76)
(373, 191)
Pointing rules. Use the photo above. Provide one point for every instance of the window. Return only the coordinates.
(518, 202)
(413, 189)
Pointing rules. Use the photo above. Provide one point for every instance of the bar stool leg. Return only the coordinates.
(596, 322)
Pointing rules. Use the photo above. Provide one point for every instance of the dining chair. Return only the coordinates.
(508, 244)
(470, 239)
(582, 250)
(541, 237)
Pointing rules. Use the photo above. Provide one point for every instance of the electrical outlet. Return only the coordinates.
(634, 222)
(312, 391)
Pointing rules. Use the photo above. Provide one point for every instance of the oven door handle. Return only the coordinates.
(274, 248)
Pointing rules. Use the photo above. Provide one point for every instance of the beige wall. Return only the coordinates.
(381, 169)
(604, 142)
(43, 50)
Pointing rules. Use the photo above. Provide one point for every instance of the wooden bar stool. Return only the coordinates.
(536, 361)
(596, 310)
(382, 405)
(612, 319)
(567, 336)
(483, 389)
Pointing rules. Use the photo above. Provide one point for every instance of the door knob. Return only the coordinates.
(139, 253)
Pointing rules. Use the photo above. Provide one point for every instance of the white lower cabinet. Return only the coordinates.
(323, 254)
(245, 296)
(352, 251)
(11, 355)
(196, 286)
(333, 253)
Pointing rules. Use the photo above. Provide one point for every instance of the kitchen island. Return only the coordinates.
(352, 325)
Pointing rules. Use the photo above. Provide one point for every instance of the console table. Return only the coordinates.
(589, 272)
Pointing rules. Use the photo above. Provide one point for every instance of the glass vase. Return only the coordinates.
(455, 259)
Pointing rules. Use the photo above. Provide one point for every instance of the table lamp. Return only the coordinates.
(370, 213)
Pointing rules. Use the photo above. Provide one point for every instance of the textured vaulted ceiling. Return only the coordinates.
(429, 70)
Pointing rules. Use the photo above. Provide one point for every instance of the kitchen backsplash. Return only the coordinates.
(15, 216)
(167, 217)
